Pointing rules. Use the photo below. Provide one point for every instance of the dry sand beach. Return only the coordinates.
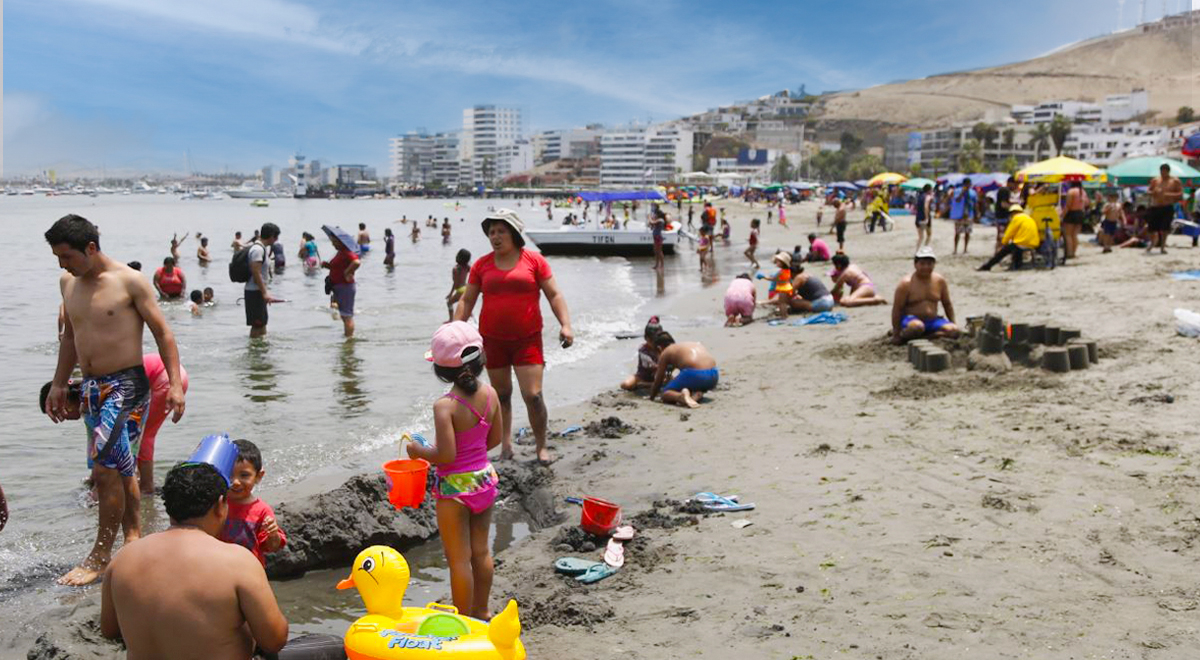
(899, 515)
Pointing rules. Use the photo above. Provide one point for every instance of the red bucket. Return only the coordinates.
(406, 481)
(599, 517)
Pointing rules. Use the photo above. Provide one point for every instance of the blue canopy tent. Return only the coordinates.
(842, 185)
(621, 196)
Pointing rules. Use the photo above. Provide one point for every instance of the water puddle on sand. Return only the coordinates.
(313, 604)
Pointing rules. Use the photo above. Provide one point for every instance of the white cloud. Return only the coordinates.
(277, 20)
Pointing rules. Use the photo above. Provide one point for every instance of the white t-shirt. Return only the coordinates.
(258, 253)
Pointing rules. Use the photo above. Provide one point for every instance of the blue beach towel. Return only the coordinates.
(824, 318)
(1187, 275)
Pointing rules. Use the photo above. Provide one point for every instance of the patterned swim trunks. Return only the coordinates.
(115, 408)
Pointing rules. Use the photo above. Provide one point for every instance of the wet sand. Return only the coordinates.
(899, 515)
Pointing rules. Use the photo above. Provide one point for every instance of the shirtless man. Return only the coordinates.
(107, 305)
(1074, 206)
(914, 312)
(175, 243)
(202, 252)
(697, 371)
(237, 243)
(862, 289)
(181, 593)
(839, 223)
(364, 238)
(1165, 192)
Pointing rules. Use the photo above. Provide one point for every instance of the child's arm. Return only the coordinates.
(270, 537)
(445, 450)
(496, 433)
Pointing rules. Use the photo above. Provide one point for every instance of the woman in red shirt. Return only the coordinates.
(341, 275)
(169, 280)
(512, 280)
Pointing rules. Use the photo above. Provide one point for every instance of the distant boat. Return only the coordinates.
(260, 203)
(246, 192)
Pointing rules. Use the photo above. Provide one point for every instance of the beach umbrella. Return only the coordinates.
(842, 185)
(1059, 169)
(1191, 145)
(1139, 171)
(334, 232)
(861, 183)
(917, 183)
(886, 179)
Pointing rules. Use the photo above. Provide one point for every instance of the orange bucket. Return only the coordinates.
(599, 517)
(406, 481)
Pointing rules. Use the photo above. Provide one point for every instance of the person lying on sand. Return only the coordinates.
(862, 290)
(914, 312)
(697, 371)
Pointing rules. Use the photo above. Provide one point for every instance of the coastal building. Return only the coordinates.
(410, 158)
(937, 150)
(570, 143)
(752, 164)
(267, 176)
(1114, 108)
(446, 160)
(297, 175)
(513, 158)
(638, 156)
(486, 129)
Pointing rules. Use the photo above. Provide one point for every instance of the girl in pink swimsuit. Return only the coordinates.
(466, 480)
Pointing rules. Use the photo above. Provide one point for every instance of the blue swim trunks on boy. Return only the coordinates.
(695, 380)
(115, 407)
(931, 326)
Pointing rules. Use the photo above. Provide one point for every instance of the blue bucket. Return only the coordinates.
(219, 452)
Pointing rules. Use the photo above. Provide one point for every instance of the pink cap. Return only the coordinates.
(451, 340)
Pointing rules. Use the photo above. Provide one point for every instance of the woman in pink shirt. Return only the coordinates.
(512, 281)
(156, 373)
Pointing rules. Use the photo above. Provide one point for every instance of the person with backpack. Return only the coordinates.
(249, 265)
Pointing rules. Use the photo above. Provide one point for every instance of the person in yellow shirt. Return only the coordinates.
(1022, 234)
(877, 212)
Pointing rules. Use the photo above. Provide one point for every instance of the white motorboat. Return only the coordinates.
(632, 239)
(250, 193)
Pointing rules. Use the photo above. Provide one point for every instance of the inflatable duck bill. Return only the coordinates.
(391, 631)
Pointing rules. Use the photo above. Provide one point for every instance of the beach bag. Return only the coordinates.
(328, 284)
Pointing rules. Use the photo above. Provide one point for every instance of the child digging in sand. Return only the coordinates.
(740, 299)
(466, 480)
(697, 371)
(647, 359)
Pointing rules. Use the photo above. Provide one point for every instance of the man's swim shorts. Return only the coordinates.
(115, 408)
(931, 326)
(695, 380)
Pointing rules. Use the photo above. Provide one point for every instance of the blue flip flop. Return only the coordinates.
(714, 502)
(596, 573)
(569, 430)
(574, 566)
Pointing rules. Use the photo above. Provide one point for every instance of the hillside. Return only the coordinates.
(1164, 61)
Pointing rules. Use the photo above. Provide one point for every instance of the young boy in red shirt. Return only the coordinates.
(251, 521)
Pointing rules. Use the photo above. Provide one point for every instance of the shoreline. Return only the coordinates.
(899, 514)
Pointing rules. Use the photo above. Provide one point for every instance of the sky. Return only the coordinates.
(133, 86)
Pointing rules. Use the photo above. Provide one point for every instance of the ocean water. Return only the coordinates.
(320, 407)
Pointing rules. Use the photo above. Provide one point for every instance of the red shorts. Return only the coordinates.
(504, 353)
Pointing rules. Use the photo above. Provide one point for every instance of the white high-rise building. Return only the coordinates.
(411, 158)
(638, 156)
(486, 129)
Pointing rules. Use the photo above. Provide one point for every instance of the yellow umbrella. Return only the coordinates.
(1059, 169)
(886, 179)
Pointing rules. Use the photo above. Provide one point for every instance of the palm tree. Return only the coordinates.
(936, 164)
(1039, 140)
(1060, 128)
(1010, 135)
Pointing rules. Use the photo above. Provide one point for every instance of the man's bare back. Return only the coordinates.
(687, 355)
(105, 323)
(183, 594)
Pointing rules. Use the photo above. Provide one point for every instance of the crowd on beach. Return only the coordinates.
(124, 396)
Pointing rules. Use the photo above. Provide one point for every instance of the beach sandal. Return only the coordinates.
(596, 573)
(569, 430)
(614, 553)
(623, 533)
(574, 565)
(713, 502)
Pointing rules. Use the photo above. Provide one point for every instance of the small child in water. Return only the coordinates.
(702, 247)
(647, 358)
(208, 297)
(197, 301)
(468, 423)
(251, 521)
(458, 279)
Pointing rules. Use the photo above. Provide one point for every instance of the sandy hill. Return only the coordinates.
(1160, 57)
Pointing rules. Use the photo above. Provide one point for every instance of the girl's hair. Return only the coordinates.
(463, 257)
(387, 232)
(307, 236)
(465, 377)
(840, 260)
(754, 222)
(743, 276)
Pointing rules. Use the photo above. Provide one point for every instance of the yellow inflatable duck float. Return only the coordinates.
(391, 631)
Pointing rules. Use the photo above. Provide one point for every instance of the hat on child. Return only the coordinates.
(451, 340)
(784, 259)
(925, 252)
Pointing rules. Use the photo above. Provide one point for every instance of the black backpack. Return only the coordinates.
(239, 266)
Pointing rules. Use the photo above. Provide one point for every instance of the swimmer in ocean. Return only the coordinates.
(458, 279)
